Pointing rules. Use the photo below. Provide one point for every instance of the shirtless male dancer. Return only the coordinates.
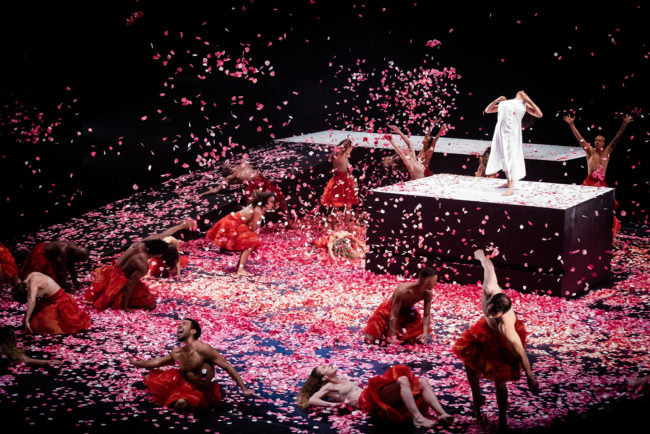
(55, 259)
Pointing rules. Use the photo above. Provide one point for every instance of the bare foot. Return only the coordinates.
(509, 192)
(504, 185)
(423, 422)
(242, 272)
(445, 419)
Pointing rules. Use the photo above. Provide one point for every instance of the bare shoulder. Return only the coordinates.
(206, 349)
(175, 353)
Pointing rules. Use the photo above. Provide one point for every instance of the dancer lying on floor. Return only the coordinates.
(342, 244)
(11, 354)
(55, 259)
(8, 267)
(119, 286)
(494, 347)
(236, 231)
(341, 190)
(397, 395)
(50, 310)
(417, 166)
(397, 319)
(255, 181)
(192, 385)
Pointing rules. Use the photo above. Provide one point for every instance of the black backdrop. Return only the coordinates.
(80, 68)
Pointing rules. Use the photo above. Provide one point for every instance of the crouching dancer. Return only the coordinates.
(192, 385)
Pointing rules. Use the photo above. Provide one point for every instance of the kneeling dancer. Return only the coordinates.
(398, 395)
(192, 385)
(397, 318)
(494, 347)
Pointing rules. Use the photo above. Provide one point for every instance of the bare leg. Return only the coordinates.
(507, 183)
(511, 186)
(432, 400)
(243, 258)
(407, 398)
(477, 399)
(502, 402)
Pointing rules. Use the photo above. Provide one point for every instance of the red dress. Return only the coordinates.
(323, 241)
(58, 314)
(597, 179)
(109, 289)
(427, 172)
(9, 267)
(158, 267)
(232, 233)
(407, 329)
(370, 400)
(38, 261)
(340, 191)
(169, 385)
(488, 352)
(260, 183)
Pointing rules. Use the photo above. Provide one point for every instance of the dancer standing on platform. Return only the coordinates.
(507, 152)
(255, 181)
(192, 385)
(119, 286)
(8, 267)
(397, 318)
(50, 310)
(598, 157)
(494, 347)
(55, 259)
(236, 231)
(11, 354)
(397, 395)
(341, 190)
(417, 166)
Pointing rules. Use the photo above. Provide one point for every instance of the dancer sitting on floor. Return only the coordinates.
(342, 244)
(483, 159)
(397, 318)
(158, 267)
(494, 347)
(341, 190)
(507, 152)
(11, 354)
(55, 259)
(598, 158)
(417, 166)
(119, 286)
(398, 395)
(8, 267)
(236, 231)
(50, 310)
(255, 181)
(192, 385)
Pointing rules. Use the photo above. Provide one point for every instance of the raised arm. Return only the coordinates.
(153, 363)
(531, 107)
(189, 223)
(395, 130)
(493, 107)
(317, 400)
(570, 120)
(213, 355)
(612, 145)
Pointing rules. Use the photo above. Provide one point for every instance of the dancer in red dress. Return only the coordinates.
(342, 244)
(417, 166)
(397, 320)
(236, 231)
(494, 347)
(192, 385)
(341, 190)
(119, 286)
(55, 259)
(8, 267)
(397, 395)
(50, 310)
(598, 158)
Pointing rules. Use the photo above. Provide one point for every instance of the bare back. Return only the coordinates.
(136, 258)
(406, 295)
(45, 285)
(507, 320)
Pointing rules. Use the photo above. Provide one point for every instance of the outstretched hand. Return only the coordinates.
(191, 223)
(479, 254)
(250, 393)
(627, 119)
(394, 129)
(533, 385)
(569, 119)
(54, 362)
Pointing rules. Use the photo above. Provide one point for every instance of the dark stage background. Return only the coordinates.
(101, 98)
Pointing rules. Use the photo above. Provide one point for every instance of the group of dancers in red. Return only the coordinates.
(493, 348)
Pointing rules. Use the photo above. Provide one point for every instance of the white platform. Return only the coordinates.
(470, 188)
(445, 145)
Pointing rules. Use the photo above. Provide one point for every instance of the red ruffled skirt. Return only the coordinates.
(9, 267)
(57, 315)
(323, 241)
(341, 191)
(407, 329)
(158, 267)
(260, 183)
(427, 172)
(597, 180)
(109, 289)
(232, 233)
(37, 261)
(371, 402)
(488, 352)
(169, 385)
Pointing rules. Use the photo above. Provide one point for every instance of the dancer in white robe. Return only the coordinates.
(507, 152)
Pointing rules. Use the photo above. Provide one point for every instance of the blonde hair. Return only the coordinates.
(8, 346)
(312, 385)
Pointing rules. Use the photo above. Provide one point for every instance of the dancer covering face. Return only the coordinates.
(397, 319)
(507, 153)
(494, 347)
(192, 385)
(397, 395)
(341, 190)
(55, 259)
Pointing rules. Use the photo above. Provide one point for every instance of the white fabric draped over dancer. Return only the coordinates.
(507, 152)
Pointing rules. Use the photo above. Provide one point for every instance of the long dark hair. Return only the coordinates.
(9, 347)
(261, 198)
(312, 385)
(527, 121)
(166, 250)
